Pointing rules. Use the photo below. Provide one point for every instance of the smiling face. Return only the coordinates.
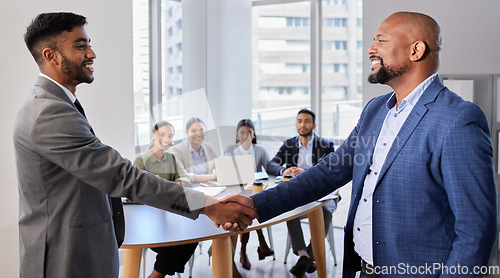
(163, 137)
(390, 51)
(196, 133)
(76, 58)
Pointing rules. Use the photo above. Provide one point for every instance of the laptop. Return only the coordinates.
(234, 170)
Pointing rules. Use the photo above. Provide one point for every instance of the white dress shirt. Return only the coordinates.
(68, 93)
(394, 120)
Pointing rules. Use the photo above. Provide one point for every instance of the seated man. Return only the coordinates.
(297, 154)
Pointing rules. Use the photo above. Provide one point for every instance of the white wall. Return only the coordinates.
(469, 28)
(217, 56)
(108, 102)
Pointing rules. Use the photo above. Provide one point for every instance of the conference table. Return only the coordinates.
(148, 227)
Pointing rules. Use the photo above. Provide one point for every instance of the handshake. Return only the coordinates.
(233, 212)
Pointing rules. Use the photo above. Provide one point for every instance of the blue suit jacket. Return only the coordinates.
(288, 153)
(435, 199)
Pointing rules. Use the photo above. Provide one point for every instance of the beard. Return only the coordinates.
(386, 73)
(76, 71)
(306, 134)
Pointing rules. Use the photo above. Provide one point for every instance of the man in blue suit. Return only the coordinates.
(420, 159)
(297, 154)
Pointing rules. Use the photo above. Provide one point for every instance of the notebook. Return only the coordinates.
(234, 170)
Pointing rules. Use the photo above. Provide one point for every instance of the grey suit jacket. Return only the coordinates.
(185, 158)
(260, 154)
(65, 177)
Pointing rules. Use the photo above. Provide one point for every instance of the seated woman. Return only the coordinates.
(194, 155)
(155, 160)
(247, 144)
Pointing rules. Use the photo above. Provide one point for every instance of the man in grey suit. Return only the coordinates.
(66, 175)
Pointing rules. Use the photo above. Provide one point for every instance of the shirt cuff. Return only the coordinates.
(194, 198)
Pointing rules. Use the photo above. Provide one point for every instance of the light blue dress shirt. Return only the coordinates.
(394, 120)
(200, 166)
(304, 160)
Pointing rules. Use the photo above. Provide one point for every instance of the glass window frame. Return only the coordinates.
(316, 24)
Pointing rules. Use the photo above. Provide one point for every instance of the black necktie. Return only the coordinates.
(116, 203)
(80, 109)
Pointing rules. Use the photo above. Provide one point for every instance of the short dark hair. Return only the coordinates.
(194, 120)
(162, 124)
(307, 111)
(45, 29)
(248, 123)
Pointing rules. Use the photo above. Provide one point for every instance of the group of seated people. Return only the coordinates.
(192, 161)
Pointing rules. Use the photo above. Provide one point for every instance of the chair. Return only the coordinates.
(329, 236)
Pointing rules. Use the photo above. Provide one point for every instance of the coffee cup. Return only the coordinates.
(287, 177)
(257, 187)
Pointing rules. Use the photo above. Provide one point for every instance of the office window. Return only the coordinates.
(340, 68)
(340, 45)
(155, 83)
(281, 62)
(295, 22)
(334, 2)
(340, 22)
(282, 66)
(341, 94)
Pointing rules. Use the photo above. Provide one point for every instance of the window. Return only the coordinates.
(282, 65)
(335, 2)
(155, 83)
(340, 45)
(340, 22)
(341, 94)
(297, 21)
(281, 81)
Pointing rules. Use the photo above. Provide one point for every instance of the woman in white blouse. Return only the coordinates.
(247, 144)
(194, 155)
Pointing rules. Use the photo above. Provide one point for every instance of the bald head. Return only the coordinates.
(419, 27)
(405, 50)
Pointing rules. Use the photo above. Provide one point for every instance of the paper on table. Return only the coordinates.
(211, 191)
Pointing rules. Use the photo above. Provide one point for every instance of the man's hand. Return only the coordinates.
(240, 199)
(296, 171)
(293, 170)
(237, 215)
